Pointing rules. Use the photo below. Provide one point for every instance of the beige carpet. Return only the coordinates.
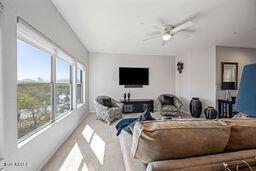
(93, 146)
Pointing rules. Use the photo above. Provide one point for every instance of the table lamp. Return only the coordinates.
(228, 86)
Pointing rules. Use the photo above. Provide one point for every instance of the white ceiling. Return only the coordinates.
(119, 26)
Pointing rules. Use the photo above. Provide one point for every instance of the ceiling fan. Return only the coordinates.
(167, 31)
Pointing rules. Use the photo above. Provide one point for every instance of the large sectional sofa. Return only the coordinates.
(190, 145)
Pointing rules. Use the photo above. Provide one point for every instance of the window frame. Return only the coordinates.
(19, 140)
(41, 42)
(56, 84)
(81, 67)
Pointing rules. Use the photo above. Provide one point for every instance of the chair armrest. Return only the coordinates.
(116, 104)
(157, 105)
(100, 106)
(177, 103)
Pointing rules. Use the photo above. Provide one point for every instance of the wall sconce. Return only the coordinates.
(180, 67)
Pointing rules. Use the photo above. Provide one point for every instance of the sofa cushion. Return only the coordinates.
(130, 163)
(242, 134)
(206, 163)
(162, 140)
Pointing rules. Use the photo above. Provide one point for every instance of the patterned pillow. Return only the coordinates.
(168, 100)
(107, 102)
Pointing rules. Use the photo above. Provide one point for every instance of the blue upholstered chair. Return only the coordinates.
(246, 97)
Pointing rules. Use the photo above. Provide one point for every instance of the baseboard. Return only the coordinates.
(64, 139)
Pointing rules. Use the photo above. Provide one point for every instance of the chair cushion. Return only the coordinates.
(162, 140)
(168, 100)
(169, 108)
(242, 134)
(107, 102)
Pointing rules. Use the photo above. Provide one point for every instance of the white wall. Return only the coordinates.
(198, 76)
(42, 15)
(242, 56)
(104, 75)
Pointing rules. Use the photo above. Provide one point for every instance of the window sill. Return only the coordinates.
(33, 135)
(80, 105)
(43, 129)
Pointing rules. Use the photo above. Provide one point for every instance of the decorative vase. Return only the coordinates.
(195, 107)
(124, 96)
(210, 113)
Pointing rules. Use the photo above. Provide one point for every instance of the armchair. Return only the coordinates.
(108, 113)
(171, 109)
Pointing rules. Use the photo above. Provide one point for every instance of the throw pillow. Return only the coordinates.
(107, 102)
(168, 100)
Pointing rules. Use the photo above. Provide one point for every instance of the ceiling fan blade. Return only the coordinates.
(188, 30)
(182, 26)
(158, 27)
(154, 37)
(155, 33)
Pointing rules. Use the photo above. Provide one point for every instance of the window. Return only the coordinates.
(63, 87)
(79, 85)
(45, 85)
(34, 88)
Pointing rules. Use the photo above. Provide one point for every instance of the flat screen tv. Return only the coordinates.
(133, 76)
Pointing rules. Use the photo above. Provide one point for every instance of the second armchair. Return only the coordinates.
(169, 105)
(108, 109)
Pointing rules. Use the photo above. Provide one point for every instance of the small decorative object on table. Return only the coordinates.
(180, 67)
(195, 107)
(129, 95)
(124, 96)
(210, 113)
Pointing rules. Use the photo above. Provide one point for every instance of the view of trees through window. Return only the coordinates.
(34, 88)
(44, 87)
(42, 96)
(63, 87)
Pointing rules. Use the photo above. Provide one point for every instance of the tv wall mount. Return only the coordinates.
(133, 86)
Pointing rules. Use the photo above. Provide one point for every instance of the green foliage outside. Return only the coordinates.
(35, 108)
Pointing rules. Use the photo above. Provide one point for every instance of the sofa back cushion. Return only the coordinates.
(161, 140)
(242, 134)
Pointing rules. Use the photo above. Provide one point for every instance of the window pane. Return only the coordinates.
(79, 98)
(63, 99)
(34, 65)
(79, 75)
(62, 71)
(34, 107)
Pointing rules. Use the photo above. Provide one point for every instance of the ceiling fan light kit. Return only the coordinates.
(167, 31)
(166, 36)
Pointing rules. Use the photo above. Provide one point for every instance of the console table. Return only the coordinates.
(137, 105)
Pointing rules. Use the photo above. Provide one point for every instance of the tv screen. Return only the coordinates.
(133, 76)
